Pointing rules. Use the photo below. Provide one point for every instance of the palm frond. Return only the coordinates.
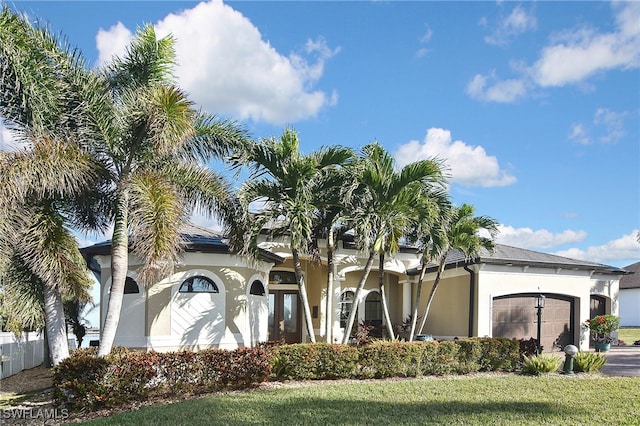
(155, 212)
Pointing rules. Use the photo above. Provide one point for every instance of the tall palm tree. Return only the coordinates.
(146, 144)
(39, 185)
(329, 225)
(154, 145)
(433, 209)
(460, 231)
(286, 181)
(382, 210)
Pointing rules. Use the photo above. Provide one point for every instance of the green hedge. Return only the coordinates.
(393, 359)
(84, 381)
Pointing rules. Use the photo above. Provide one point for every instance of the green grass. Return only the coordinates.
(629, 334)
(484, 400)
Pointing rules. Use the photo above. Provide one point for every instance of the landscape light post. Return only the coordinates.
(570, 352)
(539, 306)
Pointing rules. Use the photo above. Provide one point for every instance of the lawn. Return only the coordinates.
(482, 400)
(629, 334)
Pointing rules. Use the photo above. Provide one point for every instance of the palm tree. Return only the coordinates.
(329, 225)
(287, 183)
(154, 145)
(432, 209)
(459, 231)
(381, 208)
(39, 186)
(146, 144)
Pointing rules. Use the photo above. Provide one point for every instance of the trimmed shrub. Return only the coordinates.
(320, 361)
(499, 354)
(539, 364)
(84, 381)
(469, 354)
(588, 362)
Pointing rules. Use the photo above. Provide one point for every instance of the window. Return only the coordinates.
(257, 288)
(131, 286)
(283, 277)
(373, 313)
(373, 307)
(198, 284)
(346, 304)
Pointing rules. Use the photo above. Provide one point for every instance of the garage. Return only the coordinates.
(515, 316)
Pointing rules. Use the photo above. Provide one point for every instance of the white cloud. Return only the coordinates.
(571, 57)
(607, 123)
(579, 134)
(424, 39)
(517, 22)
(469, 165)
(227, 67)
(613, 123)
(112, 42)
(579, 54)
(625, 248)
(489, 88)
(537, 239)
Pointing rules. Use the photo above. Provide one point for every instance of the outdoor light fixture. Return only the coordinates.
(570, 351)
(539, 306)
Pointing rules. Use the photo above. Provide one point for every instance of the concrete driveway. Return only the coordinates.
(622, 361)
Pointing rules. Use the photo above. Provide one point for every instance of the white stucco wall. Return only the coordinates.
(630, 307)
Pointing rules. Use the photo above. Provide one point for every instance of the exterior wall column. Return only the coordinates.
(406, 298)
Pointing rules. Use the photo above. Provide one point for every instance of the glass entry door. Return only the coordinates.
(284, 316)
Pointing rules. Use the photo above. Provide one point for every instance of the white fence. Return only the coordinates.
(17, 354)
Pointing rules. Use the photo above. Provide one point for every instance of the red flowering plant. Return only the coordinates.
(602, 326)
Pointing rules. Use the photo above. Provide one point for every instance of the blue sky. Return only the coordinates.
(534, 106)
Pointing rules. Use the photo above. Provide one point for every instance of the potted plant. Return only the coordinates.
(601, 327)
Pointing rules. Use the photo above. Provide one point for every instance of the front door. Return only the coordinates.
(284, 316)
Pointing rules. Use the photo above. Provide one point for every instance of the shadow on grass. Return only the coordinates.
(12, 400)
(229, 411)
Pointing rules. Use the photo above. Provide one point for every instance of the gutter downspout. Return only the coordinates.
(472, 297)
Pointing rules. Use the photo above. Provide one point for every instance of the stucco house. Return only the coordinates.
(630, 297)
(216, 298)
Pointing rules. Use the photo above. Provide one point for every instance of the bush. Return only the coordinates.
(588, 362)
(84, 381)
(499, 354)
(392, 359)
(528, 347)
(539, 364)
(469, 355)
(320, 361)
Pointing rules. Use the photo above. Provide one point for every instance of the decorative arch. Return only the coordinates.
(198, 318)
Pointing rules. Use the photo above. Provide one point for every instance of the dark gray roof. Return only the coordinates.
(198, 239)
(508, 255)
(632, 280)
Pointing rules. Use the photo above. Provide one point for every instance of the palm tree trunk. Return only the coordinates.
(432, 294)
(356, 298)
(119, 266)
(385, 307)
(56, 332)
(302, 289)
(329, 301)
(414, 317)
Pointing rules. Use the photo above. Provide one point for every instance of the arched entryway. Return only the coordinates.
(597, 306)
(515, 316)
